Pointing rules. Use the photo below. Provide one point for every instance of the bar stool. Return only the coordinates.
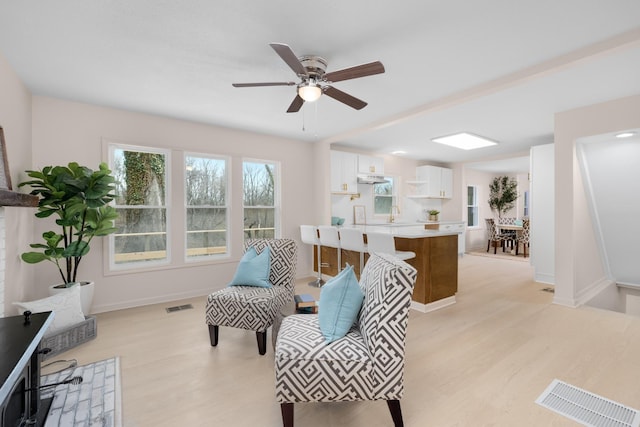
(384, 243)
(329, 237)
(352, 239)
(309, 235)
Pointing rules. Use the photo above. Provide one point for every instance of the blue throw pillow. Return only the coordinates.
(253, 269)
(340, 303)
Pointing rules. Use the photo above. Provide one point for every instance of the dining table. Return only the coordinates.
(517, 228)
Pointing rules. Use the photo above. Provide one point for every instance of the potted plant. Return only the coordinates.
(503, 193)
(78, 197)
(433, 214)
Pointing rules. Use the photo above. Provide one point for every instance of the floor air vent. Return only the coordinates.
(179, 308)
(587, 408)
(551, 290)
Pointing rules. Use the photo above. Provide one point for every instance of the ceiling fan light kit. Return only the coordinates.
(309, 91)
(314, 81)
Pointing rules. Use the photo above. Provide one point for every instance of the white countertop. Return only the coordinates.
(406, 230)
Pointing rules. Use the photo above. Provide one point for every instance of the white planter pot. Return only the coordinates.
(86, 294)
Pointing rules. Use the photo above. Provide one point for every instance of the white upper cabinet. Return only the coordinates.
(344, 172)
(434, 182)
(370, 165)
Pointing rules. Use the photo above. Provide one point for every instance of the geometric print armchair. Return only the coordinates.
(251, 307)
(366, 364)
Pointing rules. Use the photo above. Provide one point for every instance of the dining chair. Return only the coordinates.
(524, 237)
(352, 239)
(494, 238)
(386, 244)
(509, 235)
(309, 236)
(330, 237)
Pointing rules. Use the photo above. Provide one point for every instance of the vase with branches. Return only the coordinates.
(503, 193)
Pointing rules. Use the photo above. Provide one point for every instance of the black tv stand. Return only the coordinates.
(20, 357)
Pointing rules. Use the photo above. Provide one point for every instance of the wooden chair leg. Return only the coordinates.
(213, 335)
(287, 414)
(488, 245)
(262, 342)
(396, 412)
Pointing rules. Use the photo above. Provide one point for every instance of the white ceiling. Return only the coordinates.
(496, 68)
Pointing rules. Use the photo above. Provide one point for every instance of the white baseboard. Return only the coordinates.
(433, 306)
(150, 301)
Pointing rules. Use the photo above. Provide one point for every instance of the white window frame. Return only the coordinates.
(143, 265)
(394, 196)
(474, 205)
(227, 207)
(277, 214)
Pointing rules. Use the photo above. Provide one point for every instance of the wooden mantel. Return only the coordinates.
(13, 198)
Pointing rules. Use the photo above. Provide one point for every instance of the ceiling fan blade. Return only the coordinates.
(296, 104)
(355, 72)
(289, 57)
(263, 84)
(345, 98)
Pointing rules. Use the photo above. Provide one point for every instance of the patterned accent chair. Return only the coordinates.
(366, 364)
(524, 237)
(493, 236)
(255, 308)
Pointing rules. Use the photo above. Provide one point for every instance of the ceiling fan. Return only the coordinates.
(314, 81)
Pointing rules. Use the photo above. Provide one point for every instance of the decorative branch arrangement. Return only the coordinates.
(503, 193)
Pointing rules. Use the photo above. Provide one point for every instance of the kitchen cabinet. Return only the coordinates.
(370, 165)
(344, 172)
(457, 226)
(436, 182)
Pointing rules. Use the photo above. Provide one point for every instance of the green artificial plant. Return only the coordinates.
(79, 197)
(503, 193)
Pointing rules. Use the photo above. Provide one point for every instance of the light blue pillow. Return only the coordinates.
(340, 303)
(253, 269)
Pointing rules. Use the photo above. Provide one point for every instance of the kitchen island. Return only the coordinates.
(436, 261)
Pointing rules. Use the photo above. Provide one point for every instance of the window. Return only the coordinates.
(206, 206)
(383, 194)
(141, 195)
(260, 198)
(472, 206)
(526, 204)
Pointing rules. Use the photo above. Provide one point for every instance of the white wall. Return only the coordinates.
(15, 118)
(476, 238)
(610, 166)
(542, 205)
(579, 270)
(65, 131)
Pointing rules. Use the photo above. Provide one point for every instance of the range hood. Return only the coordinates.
(371, 179)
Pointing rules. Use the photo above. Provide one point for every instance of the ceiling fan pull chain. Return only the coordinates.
(303, 117)
(316, 121)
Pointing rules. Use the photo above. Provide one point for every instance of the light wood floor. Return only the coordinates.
(480, 362)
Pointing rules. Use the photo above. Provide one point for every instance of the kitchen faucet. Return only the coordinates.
(397, 209)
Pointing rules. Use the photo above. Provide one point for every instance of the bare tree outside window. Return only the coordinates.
(383, 194)
(206, 204)
(259, 197)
